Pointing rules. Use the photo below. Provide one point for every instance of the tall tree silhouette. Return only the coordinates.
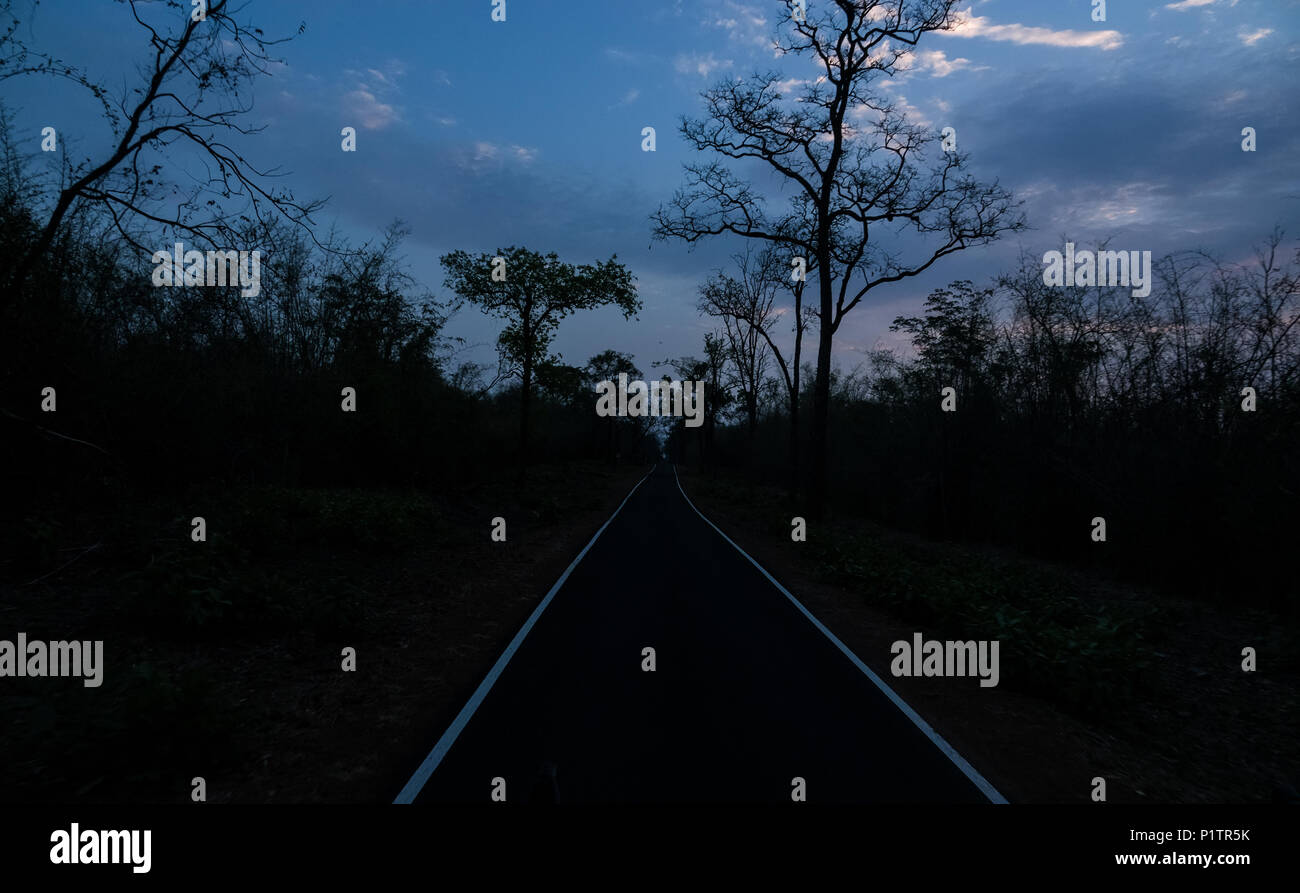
(857, 168)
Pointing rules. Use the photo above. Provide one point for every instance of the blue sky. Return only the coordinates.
(482, 134)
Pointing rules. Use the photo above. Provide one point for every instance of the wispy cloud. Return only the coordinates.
(628, 98)
(937, 63)
(1250, 38)
(1184, 5)
(367, 110)
(627, 57)
(1126, 204)
(488, 154)
(702, 65)
(860, 116)
(745, 23)
(970, 25)
(370, 102)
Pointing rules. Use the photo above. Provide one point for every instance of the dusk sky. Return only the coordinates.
(482, 134)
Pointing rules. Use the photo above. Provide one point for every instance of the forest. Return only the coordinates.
(185, 358)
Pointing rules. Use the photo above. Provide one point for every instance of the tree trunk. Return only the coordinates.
(525, 402)
(794, 398)
(822, 383)
(794, 447)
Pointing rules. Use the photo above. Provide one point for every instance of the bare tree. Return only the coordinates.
(195, 91)
(750, 302)
(854, 164)
(745, 306)
(1274, 330)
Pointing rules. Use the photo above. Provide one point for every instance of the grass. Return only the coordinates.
(1058, 640)
(253, 574)
(1087, 655)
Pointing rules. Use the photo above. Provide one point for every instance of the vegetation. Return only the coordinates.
(1077, 403)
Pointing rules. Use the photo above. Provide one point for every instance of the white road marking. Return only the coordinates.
(970, 772)
(421, 776)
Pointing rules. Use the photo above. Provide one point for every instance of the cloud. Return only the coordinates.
(370, 100)
(484, 154)
(913, 114)
(1250, 38)
(372, 114)
(694, 63)
(969, 25)
(628, 98)
(628, 57)
(860, 117)
(939, 65)
(744, 23)
(1185, 5)
(1127, 204)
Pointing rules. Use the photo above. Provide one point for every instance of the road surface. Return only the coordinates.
(747, 694)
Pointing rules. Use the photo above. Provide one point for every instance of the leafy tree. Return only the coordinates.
(955, 336)
(532, 293)
(607, 366)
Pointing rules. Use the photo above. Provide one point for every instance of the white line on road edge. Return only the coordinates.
(978, 780)
(421, 776)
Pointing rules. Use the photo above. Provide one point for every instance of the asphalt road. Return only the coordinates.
(747, 694)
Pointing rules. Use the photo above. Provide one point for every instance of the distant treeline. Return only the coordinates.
(1070, 404)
